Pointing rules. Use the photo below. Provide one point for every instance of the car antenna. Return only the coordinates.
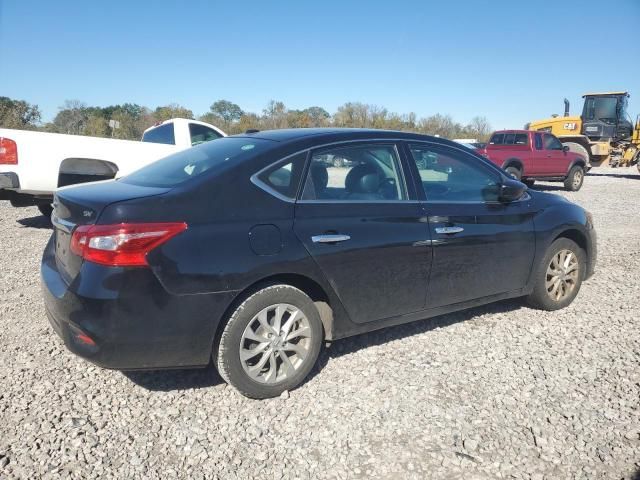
(251, 130)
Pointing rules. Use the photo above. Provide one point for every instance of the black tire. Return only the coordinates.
(46, 209)
(227, 354)
(541, 298)
(575, 179)
(529, 182)
(515, 172)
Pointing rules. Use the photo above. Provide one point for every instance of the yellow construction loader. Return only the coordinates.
(604, 133)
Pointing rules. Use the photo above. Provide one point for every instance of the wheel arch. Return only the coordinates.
(514, 162)
(580, 238)
(577, 162)
(79, 170)
(575, 235)
(579, 139)
(306, 284)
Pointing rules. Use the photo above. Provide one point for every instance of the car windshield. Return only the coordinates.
(187, 164)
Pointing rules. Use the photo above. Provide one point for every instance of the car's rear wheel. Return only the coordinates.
(514, 172)
(270, 343)
(559, 277)
(575, 179)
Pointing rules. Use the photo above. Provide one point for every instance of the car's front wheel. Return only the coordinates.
(575, 179)
(270, 342)
(559, 277)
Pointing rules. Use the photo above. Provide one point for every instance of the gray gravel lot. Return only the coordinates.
(501, 391)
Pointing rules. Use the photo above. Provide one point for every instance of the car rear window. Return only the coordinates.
(160, 134)
(509, 139)
(187, 164)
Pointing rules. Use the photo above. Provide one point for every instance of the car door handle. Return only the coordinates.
(330, 238)
(449, 230)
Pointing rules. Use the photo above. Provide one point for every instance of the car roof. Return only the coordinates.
(338, 134)
(513, 131)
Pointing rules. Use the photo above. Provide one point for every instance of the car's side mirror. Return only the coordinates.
(565, 148)
(511, 190)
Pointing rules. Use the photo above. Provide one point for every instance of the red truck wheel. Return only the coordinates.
(514, 172)
(575, 179)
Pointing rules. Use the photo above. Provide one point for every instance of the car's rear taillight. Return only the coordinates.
(121, 245)
(8, 152)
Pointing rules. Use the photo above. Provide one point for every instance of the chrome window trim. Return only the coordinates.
(268, 189)
(525, 198)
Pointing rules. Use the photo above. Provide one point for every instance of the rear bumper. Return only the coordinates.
(10, 190)
(132, 321)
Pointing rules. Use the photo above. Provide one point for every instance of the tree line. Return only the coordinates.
(129, 120)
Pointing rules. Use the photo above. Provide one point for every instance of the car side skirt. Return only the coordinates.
(344, 329)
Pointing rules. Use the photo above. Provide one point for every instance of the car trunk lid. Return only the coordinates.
(82, 205)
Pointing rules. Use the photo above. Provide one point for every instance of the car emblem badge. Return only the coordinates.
(87, 213)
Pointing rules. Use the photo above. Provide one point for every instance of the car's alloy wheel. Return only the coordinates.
(577, 180)
(275, 343)
(559, 276)
(562, 275)
(270, 342)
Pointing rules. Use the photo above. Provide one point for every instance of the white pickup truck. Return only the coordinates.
(34, 164)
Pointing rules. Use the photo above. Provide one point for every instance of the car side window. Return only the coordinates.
(538, 141)
(551, 142)
(521, 139)
(283, 178)
(201, 134)
(355, 173)
(448, 175)
(497, 139)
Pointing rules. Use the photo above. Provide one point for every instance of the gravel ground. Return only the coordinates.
(501, 391)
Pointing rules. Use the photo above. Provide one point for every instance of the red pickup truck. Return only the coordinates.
(528, 156)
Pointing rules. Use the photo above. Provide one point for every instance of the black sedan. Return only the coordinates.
(252, 250)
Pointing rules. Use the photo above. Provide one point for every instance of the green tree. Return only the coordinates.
(228, 111)
(246, 122)
(96, 126)
(71, 117)
(18, 114)
(173, 110)
(318, 116)
(480, 128)
(214, 119)
(274, 115)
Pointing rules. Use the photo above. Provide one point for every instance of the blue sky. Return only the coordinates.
(511, 61)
